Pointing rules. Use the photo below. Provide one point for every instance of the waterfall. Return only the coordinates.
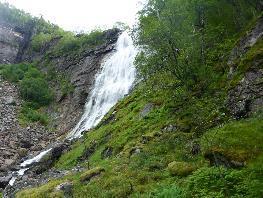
(111, 84)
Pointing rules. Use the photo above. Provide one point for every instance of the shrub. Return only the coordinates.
(180, 168)
(218, 182)
(40, 40)
(170, 191)
(14, 73)
(35, 90)
(29, 114)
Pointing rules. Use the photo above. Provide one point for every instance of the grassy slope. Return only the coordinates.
(142, 148)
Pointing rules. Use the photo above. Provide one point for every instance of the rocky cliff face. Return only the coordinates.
(246, 98)
(81, 70)
(9, 44)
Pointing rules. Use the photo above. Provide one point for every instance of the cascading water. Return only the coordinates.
(111, 84)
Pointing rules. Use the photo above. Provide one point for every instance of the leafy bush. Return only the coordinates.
(40, 40)
(189, 39)
(14, 73)
(166, 191)
(34, 89)
(11, 15)
(218, 182)
(31, 114)
(75, 44)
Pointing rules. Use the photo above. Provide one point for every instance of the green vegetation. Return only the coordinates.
(163, 153)
(34, 90)
(236, 140)
(190, 39)
(66, 42)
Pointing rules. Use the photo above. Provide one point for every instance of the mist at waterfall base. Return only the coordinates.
(111, 84)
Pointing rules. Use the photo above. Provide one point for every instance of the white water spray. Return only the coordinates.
(112, 83)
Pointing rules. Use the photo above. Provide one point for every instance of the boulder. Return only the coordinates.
(146, 110)
(50, 158)
(4, 181)
(217, 158)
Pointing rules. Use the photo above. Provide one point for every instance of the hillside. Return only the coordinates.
(190, 127)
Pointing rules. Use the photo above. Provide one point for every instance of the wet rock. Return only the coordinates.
(107, 152)
(88, 151)
(135, 150)
(195, 149)
(170, 128)
(245, 44)
(50, 158)
(10, 100)
(9, 44)
(146, 110)
(247, 97)
(4, 181)
(26, 143)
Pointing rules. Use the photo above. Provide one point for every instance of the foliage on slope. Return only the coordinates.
(156, 141)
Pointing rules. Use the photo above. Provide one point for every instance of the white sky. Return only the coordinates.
(76, 15)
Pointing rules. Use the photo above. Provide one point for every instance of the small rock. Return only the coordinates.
(107, 152)
(66, 187)
(146, 110)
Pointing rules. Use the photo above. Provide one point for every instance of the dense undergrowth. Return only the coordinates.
(143, 156)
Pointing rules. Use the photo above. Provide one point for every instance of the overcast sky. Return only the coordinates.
(76, 15)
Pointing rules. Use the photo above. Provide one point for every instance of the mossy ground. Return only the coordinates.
(142, 147)
(135, 149)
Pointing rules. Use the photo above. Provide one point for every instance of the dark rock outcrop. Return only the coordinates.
(50, 158)
(245, 44)
(247, 96)
(218, 159)
(4, 181)
(10, 41)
